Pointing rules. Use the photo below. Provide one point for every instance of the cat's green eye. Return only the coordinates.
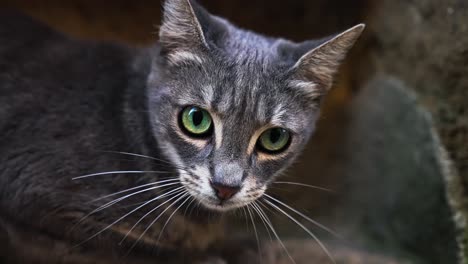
(196, 121)
(274, 140)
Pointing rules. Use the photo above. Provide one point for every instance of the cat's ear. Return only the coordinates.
(184, 27)
(180, 28)
(314, 71)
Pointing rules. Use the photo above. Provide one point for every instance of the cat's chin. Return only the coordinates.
(220, 207)
(215, 205)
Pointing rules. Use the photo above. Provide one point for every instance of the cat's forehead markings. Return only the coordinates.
(224, 104)
(239, 81)
(185, 100)
(261, 109)
(278, 115)
(282, 117)
(208, 94)
(218, 130)
(179, 57)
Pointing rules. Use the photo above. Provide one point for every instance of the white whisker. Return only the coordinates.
(108, 204)
(148, 213)
(245, 216)
(262, 215)
(256, 233)
(305, 185)
(266, 227)
(168, 219)
(129, 213)
(303, 228)
(117, 172)
(305, 217)
(183, 195)
(134, 188)
(143, 156)
(188, 205)
(197, 206)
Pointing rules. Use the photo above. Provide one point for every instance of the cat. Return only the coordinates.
(105, 149)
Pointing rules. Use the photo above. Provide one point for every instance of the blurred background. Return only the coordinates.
(392, 142)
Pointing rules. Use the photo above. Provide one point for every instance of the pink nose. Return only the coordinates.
(224, 192)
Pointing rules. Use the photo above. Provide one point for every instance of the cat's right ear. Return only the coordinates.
(181, 34)
(314, 71)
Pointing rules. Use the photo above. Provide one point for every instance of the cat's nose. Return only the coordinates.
(224, 192)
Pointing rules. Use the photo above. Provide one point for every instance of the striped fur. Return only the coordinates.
(248, 83)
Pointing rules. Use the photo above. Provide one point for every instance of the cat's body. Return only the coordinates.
(62, 119)
(67, 107)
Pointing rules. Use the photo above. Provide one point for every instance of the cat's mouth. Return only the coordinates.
(210, 201)
(221, 199)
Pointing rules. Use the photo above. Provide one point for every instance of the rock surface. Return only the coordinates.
(425, 44)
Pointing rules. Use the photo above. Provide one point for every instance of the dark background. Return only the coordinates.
(378, 147)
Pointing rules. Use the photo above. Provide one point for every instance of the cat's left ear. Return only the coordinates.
(180, 27)
(315, 70)
(187, 30)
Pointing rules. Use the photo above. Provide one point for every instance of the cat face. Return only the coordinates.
(232, 109)
(231, 133)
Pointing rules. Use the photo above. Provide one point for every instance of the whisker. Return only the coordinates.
(117, 172)
(134, 188)
(305, 217)
(305, 185)
(106, 205)
(168, 219)
(262, 214)
(304, 228)
(143, 156)
(129, 213)
(196, 206)
(135, 155)
(188, 205)
(266, 227)
(183, 195)
(256, 233)
(148, 213)
(273, 212)
(244, 211)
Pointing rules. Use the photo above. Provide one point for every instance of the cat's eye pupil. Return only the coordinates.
(195, 121)
(197, 117)
(275, 135)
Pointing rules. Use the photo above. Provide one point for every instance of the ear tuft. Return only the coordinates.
(320, 64)
(180, 29)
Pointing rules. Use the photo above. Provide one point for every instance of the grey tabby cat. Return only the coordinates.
(205, 119)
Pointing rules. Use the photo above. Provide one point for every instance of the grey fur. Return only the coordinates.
(63, 102)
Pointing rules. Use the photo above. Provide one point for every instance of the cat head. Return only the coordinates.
(231, 108)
